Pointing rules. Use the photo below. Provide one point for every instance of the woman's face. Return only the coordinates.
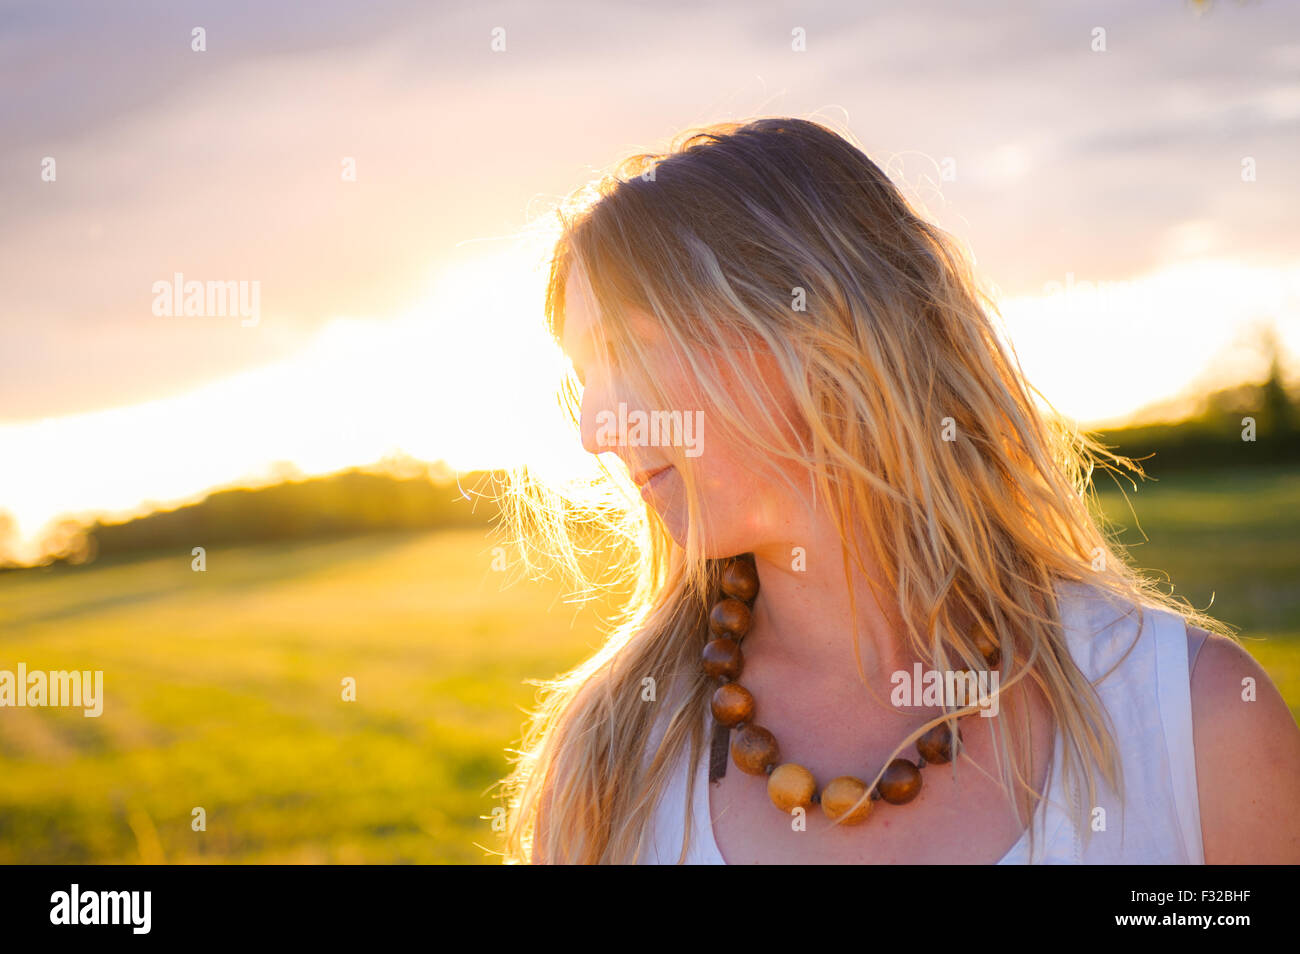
(743, 507)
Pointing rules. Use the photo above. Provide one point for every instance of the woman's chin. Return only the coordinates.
(675, 525)
(711, 548)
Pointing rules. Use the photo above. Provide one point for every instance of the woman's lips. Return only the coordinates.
(641, 476)
(655, 480)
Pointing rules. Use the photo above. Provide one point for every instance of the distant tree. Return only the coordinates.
(67, 541)
(1278, 412)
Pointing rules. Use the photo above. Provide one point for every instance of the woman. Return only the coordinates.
(846, 488)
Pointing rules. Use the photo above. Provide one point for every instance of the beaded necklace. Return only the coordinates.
(755, 750)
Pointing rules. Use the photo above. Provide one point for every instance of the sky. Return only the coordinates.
(1100, 191)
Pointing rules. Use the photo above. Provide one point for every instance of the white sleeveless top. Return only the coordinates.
(1148, 702)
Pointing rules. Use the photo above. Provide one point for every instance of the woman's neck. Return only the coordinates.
(804, 620)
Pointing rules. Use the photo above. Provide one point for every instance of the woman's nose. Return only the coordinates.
(592, 421)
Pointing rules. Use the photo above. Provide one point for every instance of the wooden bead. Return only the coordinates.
(729, 617)
(986, 644)
(740, 580)
(732, 704)
(840, 795)
(754, 749)
(722, 657)
(936, 746)
(901, 782)
(791, 786)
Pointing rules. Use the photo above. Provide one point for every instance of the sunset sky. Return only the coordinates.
(402, 311)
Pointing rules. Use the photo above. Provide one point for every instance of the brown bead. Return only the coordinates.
(901, 782)
(754, 749)
(791, 786)
(740, 580)
(732, 704)
(936, 746)
(729, 617)
(986, 644)
(722, 657)
(840, 795)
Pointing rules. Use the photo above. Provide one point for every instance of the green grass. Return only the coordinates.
(223, 688)
(1229, 543)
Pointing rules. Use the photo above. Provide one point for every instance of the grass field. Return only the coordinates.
(1230, 544)
(223, 689)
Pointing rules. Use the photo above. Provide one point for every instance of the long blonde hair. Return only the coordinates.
(715, 239)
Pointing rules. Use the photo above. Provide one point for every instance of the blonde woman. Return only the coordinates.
(834, 482)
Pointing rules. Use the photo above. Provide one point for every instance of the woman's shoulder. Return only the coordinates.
(1247, 758)
(1212, 701)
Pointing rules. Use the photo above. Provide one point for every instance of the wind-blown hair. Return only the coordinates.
(781, 237)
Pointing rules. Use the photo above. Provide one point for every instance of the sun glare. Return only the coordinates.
(467, 375)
